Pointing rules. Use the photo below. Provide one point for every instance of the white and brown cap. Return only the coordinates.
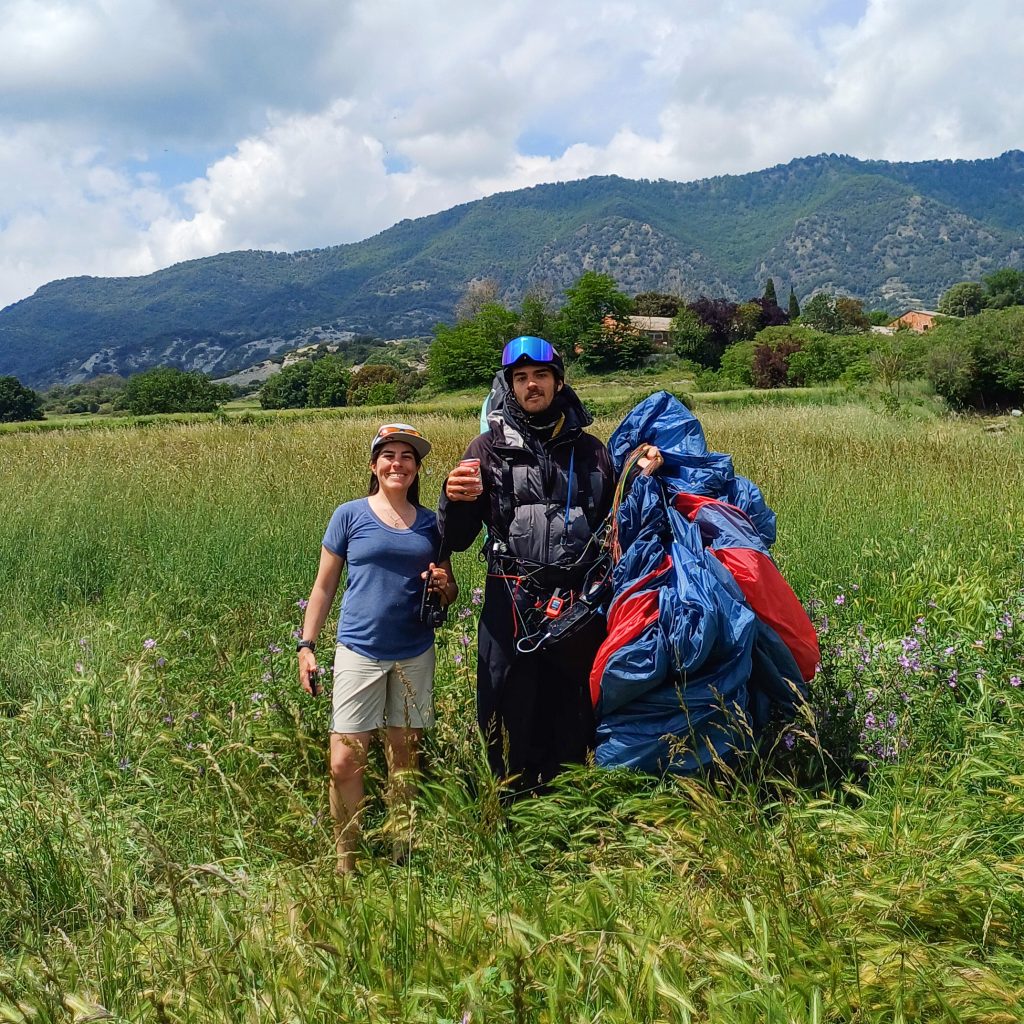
(401, 432)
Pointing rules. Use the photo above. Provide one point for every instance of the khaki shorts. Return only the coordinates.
(369, 694)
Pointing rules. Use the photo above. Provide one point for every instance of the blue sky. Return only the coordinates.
(138, 133)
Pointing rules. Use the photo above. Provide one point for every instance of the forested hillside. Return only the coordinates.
(892, 235)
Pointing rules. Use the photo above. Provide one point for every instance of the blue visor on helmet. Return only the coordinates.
(528, 349)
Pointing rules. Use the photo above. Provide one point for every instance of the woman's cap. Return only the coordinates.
(401, 432)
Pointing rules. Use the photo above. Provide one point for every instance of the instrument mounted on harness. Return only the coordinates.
(547, 613)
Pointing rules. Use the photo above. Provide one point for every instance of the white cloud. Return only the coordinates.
(306, 106)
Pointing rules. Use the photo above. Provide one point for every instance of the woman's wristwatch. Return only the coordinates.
(308, 645)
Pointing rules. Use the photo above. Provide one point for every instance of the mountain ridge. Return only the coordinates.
(891, 234)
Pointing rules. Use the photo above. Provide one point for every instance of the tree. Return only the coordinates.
(1004, 288)
(719, 316)
(966, 298)
(689, 335)
(168, 389)
(466, 354)
(374, 384)
(748, 321)
(17, 402)
(794, 306)
(616, 346)
(328, 383)
(480, 292)
(851, 314)
(820, 312)
(535, 314)
(769, 292)
(288, 389)
(590, 302)
(656, 304)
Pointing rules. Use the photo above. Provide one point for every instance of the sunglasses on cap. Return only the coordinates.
(395, 428)
(534, 350)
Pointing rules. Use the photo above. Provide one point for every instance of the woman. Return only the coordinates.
(384, 660)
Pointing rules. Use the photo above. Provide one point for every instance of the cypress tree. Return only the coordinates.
(794, 306)
(769, 293)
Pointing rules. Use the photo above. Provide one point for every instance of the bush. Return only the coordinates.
(738, 365)
(978, 362)
(168, 389)
(771, 363)
(17, 402)
(824, 358)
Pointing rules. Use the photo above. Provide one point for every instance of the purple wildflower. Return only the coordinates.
(457, 659)
(257, 697)
(160, 662)
(266, 677)
(477, 595)
(789, 741)
(840, 599)
(149, 643)
(273, 648)
(301, 604)
(79, 668)
(465, 640)
(168, 719)
(1015, 680)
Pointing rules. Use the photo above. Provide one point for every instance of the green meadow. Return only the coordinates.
(165, 849)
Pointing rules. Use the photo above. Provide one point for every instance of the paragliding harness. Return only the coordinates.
(550, 602)
(544, 615)
(557, 614)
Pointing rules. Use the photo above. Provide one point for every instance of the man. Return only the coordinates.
(542, 488)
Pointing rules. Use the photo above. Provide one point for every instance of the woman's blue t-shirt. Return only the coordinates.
(380, 612)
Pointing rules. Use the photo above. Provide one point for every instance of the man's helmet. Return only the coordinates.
(528, 350)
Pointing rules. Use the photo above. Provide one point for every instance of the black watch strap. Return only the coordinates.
(309, 645)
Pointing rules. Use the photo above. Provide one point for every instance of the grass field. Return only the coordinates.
(165, 853)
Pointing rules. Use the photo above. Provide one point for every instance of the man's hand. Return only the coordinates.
(651, 461)
(463, 483)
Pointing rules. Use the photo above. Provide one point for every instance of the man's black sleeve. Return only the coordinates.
(460, 521)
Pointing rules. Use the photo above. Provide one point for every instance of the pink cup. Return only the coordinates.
(474, 464)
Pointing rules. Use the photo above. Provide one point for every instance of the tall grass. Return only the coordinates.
(164, 848)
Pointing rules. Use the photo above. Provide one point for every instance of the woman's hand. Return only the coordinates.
(440, 582)
(308, 671)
